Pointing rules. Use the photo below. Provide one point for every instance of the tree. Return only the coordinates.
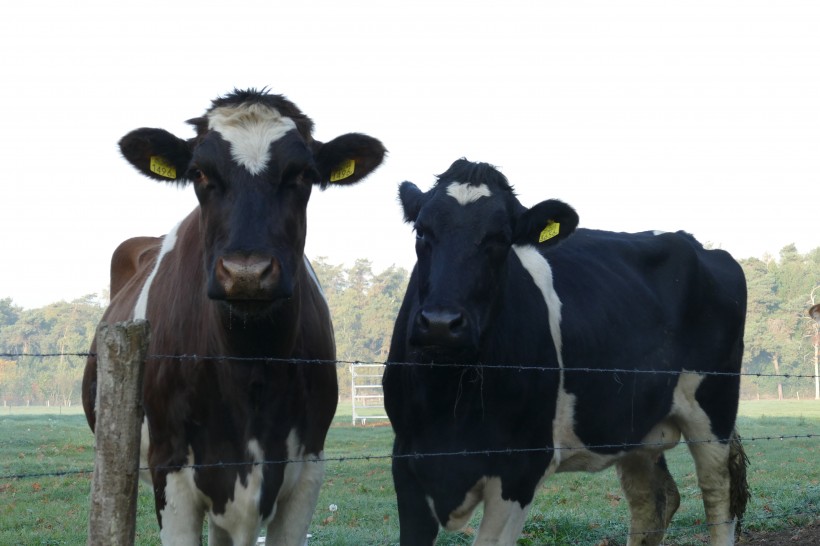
(776, 320)
(9, 313)
(62, 329)
(8, 377)
(363, 306)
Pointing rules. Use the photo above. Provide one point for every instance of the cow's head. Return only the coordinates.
(466, 226)
(253, 164)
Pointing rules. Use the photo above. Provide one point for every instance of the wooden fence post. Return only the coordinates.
(121, 351)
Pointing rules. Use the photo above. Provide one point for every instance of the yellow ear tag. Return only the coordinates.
(550, 231)
(343, 171)
(161, 167)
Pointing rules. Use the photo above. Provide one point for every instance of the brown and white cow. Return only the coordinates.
(231, 281)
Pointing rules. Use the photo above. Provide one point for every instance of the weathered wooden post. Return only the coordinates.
(814, 312)
(121, 351)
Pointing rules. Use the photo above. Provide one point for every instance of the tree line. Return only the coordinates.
(780, 336)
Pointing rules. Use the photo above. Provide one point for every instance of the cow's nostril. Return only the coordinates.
(269, 278)
(441, 326)
(457, 322)
(248, 277)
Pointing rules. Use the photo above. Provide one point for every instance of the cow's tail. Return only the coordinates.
(738, 486)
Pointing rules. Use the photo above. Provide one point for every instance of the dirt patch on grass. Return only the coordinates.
(807, 535)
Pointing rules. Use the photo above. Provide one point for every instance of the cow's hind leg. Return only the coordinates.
(721, 470)
(712, 465)
(417, 524)
(652, 495)
(719, 458)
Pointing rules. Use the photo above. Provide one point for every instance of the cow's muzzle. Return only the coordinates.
(442, 329)
(248, 277)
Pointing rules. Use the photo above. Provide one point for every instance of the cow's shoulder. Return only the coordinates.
(610, 283)
(130, 257)
(608, 259)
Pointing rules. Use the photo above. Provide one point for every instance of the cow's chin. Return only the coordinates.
(250, 309)
(442, 355)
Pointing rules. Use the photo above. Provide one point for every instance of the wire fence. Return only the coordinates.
(521, 367)
(421, 455)
(809, 512)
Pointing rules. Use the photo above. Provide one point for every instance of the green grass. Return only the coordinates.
(571, 508)
(6, 411)
(809, 409)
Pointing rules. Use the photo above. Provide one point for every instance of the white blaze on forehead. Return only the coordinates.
(250, 129)
(466, 193)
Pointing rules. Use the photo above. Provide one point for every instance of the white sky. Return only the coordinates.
(697, 115)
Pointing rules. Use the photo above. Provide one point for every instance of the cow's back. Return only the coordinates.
(614, 284)
(131, 264)
(133, 259)
(648, 306)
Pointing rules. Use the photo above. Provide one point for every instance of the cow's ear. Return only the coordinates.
(412, 199)
(348, 158)
(546, 223)
(158, 154)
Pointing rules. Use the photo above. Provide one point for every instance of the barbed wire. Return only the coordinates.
(53, 474)
(418, 455)
(44, 355)
(521, 367)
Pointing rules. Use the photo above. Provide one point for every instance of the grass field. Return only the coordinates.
(573, 508)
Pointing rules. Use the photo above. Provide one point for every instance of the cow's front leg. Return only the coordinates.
(179, 508)
(417, 524)
(503, 519)
(295, 507)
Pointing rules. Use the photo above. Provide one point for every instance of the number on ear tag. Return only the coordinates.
(161, 167)
(343, 171)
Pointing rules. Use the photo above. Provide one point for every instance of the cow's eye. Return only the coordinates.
(197, 176)
(298, 176)
(292, 178)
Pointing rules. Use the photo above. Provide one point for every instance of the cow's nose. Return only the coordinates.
(441, 327)
(250, 277)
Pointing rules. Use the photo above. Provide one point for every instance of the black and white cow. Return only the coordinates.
(511, 288)
(231, 282)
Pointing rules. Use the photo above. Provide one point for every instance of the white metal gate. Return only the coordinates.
(366, 392)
